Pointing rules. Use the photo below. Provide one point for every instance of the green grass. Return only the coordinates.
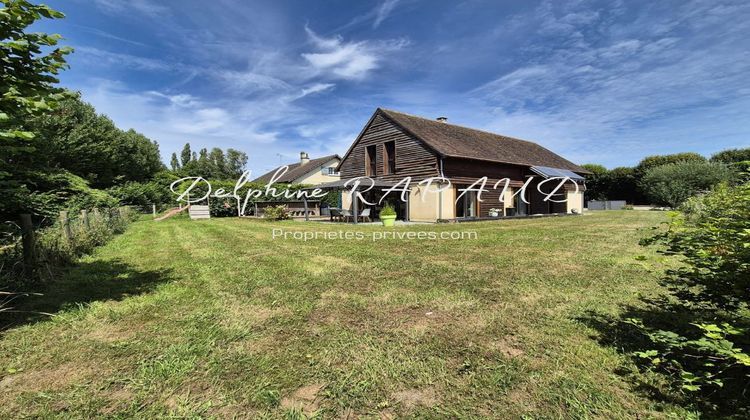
(216, 319)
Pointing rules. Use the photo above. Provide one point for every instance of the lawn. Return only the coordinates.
(216, 319)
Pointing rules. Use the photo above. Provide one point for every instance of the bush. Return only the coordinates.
(651, 162)
(142, 194)
(275, 213)
(732, 156)
(387, 210)
(53, 249)
(707, 351)
(672, 184)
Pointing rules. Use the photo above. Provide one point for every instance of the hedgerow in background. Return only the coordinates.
(673, 183)
(54, 249)
(732, 156)
(595, 183)
(704, 344)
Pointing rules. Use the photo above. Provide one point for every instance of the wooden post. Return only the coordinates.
(408, 197)
(85, 218)
(65, 223)
(29, 255)
(356, 216)
(307, 216)
(154, 210)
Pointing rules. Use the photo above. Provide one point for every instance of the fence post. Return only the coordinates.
(29, 254)
(85, 218)
(97, 216)
(154, 210)
(65, 222)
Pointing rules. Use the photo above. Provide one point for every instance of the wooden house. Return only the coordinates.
(394, 145)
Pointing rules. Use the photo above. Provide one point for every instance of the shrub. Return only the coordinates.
(732, 156)
(672, 184)
(53, 249)
(387, 210)
(142, 194)
(651, 162)
(708, 349)
(276, 213)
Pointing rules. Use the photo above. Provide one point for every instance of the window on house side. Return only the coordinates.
(389, 149)
(371, 161)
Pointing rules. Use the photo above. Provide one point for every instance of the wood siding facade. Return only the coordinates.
(413, 158)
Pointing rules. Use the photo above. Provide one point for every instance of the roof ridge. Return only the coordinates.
(461, 126)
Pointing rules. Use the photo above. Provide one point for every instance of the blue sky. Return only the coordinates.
(596, 81)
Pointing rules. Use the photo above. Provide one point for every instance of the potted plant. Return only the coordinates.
(387, 215)
(495, 212)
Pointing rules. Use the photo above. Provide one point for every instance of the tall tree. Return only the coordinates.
(236, 162)
(595, 185)
(186, 155)
(29, 63)
(218, 163)
(174, 162)
(74, 137)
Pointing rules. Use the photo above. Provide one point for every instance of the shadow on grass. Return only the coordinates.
(624, 337)
(80, 284)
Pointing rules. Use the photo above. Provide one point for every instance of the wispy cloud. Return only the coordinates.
(98, 57)
(147, 7)
(348, 60)
(592, 92)
(315, 88)
(383, 11)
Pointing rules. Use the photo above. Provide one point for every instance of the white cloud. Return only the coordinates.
(385, 9)
(315, 88)
(348, 60)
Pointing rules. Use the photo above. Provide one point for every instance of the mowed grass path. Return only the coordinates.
(216, 319)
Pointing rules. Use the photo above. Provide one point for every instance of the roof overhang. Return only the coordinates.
(342, 184)
(547, 172)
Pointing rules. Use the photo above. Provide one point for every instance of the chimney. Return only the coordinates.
(303, 158)
(442, 119)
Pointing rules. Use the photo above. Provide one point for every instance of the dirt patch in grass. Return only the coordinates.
(49, 379)
(304, 398)
(412, 398)
(507, 346)
(240, 313)
(111, 333)
(119, 399)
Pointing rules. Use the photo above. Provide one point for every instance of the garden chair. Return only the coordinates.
(335, 214)
(365, 215)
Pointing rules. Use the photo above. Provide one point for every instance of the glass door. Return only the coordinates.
(466, 206)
